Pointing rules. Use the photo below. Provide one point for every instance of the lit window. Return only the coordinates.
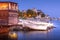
(3, 6)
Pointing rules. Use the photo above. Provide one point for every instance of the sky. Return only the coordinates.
(50, 7)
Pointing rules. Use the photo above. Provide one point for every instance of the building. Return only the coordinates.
(8, 13)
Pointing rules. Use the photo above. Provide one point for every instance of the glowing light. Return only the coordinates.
(3, 5)
(12, 35)
(29, 15)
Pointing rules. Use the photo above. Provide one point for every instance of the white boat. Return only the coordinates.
(37, 25)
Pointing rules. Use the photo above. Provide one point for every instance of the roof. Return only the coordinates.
(7, 2)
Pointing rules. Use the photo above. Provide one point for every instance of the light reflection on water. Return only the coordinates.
(33, 35)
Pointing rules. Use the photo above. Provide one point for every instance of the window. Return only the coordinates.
(3, 6)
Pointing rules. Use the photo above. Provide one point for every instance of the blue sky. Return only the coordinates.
(50, 7)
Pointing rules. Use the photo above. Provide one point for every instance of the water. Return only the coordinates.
(53, 34)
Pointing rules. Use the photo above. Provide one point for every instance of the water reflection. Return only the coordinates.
(30, 35)
(26, 35)
(5, 36)
(33, 35)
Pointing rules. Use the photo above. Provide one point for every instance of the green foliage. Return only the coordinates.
(20, 14)
(42, 15)
(30, 13)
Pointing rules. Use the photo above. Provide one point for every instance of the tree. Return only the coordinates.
(20, 14)
(31, 13)
(43, 15)
(24, 14)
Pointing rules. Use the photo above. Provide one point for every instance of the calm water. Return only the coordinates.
(53, 34)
